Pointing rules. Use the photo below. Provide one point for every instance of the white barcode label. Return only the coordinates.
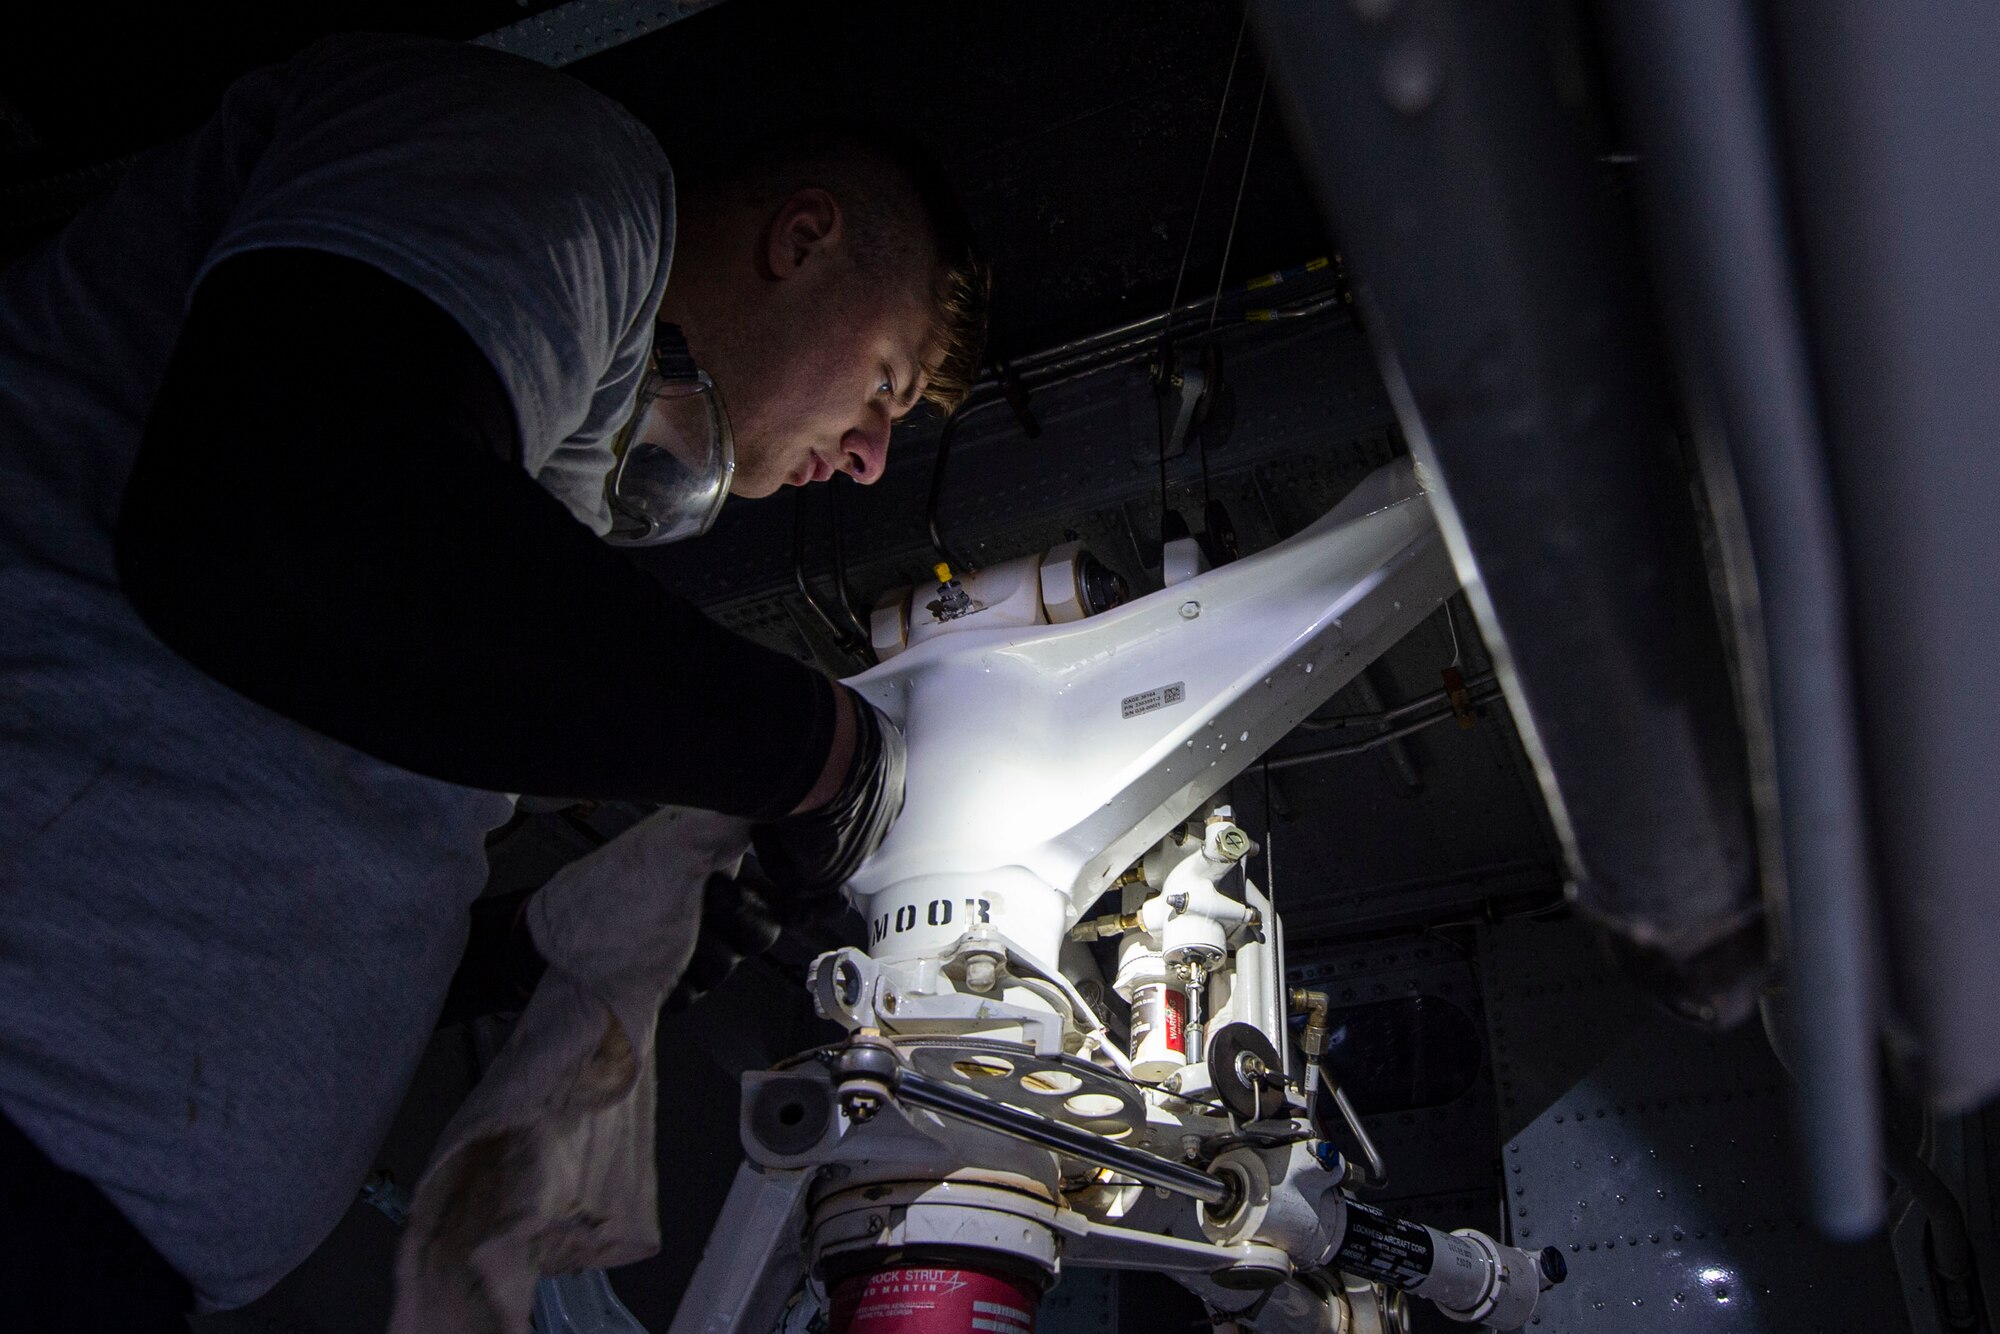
(1159, 697)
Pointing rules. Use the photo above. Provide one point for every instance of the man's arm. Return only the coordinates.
(325, 517)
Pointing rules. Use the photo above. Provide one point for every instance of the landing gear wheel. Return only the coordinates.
(1246, 1072)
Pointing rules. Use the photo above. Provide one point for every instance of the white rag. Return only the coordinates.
(548, 1167)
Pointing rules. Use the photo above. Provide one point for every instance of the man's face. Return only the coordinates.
(819, 393)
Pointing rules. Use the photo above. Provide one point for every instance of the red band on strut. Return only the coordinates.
(914, 1300)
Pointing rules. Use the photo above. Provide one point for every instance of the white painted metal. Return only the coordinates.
(1184, 560)
(1062, 585)
(1008, 595)
(754, 1260)
(1044, 761)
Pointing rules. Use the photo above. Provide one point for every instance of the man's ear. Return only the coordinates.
(806, 225)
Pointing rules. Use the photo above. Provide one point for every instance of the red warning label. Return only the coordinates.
(1176, 1016)
(932, 1301)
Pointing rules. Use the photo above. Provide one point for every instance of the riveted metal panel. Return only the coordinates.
(1083, 1301)
(1659, 1158)
(1443, 1160)
(569, 32)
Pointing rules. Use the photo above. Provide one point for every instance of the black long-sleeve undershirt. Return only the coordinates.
(325, 516)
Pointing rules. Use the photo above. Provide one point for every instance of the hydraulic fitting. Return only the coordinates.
(1314, 1003)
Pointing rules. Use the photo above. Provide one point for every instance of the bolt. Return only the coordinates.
(1190, 610)
(860, 1107)
(981, 972)
(1232, 843)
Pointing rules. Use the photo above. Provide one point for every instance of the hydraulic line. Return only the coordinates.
(1388, 716)
(841, 588)
(842, 637)
(1302, 757)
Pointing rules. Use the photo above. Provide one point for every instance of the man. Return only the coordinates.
(305, 437)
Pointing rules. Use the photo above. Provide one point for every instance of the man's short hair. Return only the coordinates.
(901, 216)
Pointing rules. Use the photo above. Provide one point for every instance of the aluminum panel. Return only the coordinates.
(1083, 1301)
(1442, 1160)
(1659, 1158)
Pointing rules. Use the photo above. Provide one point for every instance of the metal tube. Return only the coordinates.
(1390, 715)
(1153, 1170)
(1700, 101)
(843, 639)
(1135, 341)
(855, 619)
(1197, 1013)
(1294, 760)
(1252, 999)
(1277, 931)
(1401, 764)
(1377, 1168)
(938, 463)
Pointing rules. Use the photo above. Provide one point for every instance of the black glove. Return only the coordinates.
(811, 855)
(738, 920)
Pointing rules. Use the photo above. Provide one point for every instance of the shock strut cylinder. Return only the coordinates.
(940, 1294)
(1468, 1275)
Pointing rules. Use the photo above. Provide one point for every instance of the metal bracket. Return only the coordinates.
(754, 1260)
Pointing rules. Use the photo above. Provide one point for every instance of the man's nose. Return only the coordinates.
(864, 452)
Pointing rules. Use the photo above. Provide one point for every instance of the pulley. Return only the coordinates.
(1246, 1072)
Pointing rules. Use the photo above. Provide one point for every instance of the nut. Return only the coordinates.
(982, 972)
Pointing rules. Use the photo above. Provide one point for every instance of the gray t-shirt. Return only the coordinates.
(224, 938)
